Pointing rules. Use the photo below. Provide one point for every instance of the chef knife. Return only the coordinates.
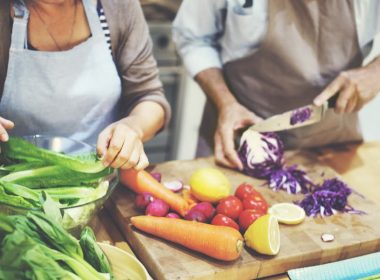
(299, 117)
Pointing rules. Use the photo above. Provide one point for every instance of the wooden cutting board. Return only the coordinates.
(301, 245)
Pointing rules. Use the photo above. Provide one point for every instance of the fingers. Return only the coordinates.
(143, 162)
(346, 94)
(225, 153)
(332, 89)
(125, 148)
(219, 155)
(103, 141)
(4, 126)
(7, 124)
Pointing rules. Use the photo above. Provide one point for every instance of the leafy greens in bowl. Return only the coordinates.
(40, 172)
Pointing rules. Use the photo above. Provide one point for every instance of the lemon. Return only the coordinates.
(209, 184)
(287, 213)
(264, 235)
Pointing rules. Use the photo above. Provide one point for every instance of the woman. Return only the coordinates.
(79, 71)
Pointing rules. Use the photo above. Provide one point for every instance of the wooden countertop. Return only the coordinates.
(356, 164)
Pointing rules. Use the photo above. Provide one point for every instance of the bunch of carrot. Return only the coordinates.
(220, 242)
(141, 181)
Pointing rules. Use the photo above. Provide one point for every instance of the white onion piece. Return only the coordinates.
(174, 186)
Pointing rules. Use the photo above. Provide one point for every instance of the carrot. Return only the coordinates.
(220, 242)
(141, 181)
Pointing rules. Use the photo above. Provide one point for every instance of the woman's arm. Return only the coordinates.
(145, 106)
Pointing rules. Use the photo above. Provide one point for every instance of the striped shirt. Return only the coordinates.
(103, 23)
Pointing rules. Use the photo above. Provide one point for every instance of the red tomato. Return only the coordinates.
(245, 190)
(222, 220)
(230, 206)
(255, 202)
(247, 217)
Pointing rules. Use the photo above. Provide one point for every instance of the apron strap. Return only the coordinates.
(93, 18)
(20, 22)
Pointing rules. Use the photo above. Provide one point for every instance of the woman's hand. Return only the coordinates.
(355, 87)
(120, 145)
(231, 118)
(4, 126)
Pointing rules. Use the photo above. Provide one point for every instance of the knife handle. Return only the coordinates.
(332, 100)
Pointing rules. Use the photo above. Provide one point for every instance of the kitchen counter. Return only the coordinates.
(356, 164)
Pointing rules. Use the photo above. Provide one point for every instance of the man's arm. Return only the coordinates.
(355, 88)
(196, 30)
(232, 116)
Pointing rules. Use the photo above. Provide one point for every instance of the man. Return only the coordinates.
(254, 59)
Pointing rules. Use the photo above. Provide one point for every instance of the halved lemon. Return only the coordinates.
(264, 235)
(287, 213)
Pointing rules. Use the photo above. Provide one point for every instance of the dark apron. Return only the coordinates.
(307, 44)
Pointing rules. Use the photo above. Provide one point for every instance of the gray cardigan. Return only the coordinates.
(131, 49)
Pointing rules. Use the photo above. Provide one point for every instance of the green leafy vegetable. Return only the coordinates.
(17, 148)
(53, 176)
(35, 247)
(93, 254)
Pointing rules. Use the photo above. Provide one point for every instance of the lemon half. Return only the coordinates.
(264, 235)
(287, 213)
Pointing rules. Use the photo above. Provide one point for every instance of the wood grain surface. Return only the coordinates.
(301, 245)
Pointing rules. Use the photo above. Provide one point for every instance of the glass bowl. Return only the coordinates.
(75, 217)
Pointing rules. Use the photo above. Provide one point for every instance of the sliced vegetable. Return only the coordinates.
(174, 186)
(290, 179)
(328, 198)
(300, 115)
(223, 243)
(142, 181)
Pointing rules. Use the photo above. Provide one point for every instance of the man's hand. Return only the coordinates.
(4, 126)
(230, 119)
(355, 88)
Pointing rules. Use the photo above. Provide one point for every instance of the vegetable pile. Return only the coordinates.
(36, 247)
(28, 171)
(328, 198)
(262, 157)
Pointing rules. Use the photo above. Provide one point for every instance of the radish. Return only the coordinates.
(206, 208)
(158, 208)
(142, 200)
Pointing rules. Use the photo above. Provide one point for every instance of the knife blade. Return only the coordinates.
(299, 117)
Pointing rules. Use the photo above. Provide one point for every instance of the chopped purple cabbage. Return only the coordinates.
(328, 198)
(300, 115)
(291, 179)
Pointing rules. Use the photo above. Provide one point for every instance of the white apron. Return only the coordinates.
(73, 93)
